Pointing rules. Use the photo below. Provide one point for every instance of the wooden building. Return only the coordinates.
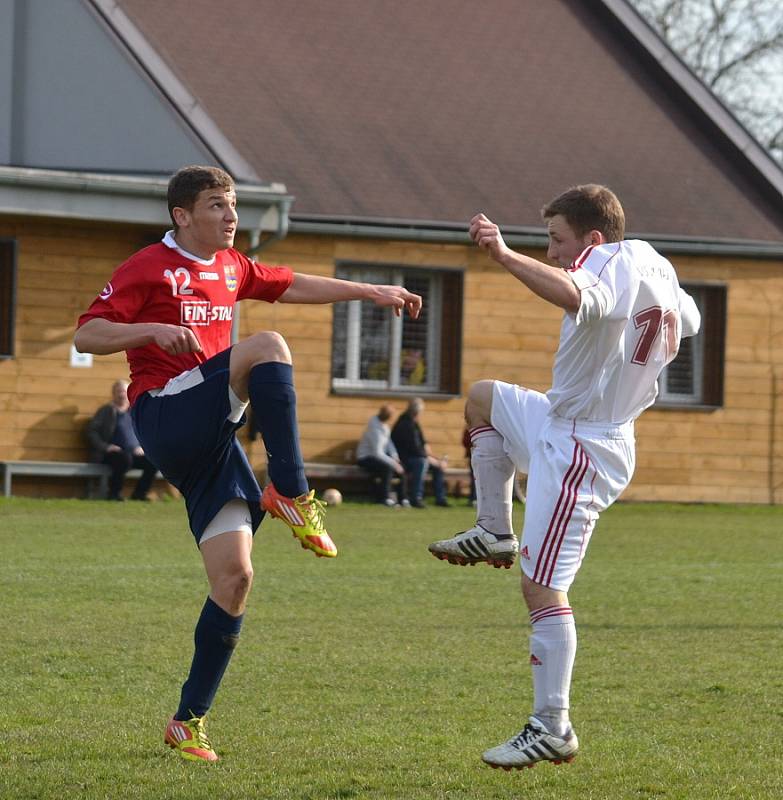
(363, 135)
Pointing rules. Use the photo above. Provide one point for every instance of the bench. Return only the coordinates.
(458, 476)
(97, 475)
(322, 470)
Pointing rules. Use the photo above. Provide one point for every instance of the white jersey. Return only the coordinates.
(631, 318)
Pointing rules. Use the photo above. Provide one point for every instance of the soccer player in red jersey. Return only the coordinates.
(170, 308)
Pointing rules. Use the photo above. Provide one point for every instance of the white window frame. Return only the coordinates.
(352, 381)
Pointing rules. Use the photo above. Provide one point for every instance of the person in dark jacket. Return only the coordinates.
(416, 456)
(113, 441)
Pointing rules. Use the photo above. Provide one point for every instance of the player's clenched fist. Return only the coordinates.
(175, 339)
(486, 235)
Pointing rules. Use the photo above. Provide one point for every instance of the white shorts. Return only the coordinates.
(575, 470)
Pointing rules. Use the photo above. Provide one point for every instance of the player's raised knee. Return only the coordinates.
(260, 348)
(478, 407)
(268, 346)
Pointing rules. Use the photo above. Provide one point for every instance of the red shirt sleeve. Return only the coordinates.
(262, 282)
(121, 299)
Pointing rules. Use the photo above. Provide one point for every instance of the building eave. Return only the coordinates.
(120, 198)
(444, 232)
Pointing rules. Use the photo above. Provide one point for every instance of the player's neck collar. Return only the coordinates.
(171, 242)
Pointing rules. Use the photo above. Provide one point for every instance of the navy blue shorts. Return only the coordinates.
(191, 439)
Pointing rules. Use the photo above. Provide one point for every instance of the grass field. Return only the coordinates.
(385, 673)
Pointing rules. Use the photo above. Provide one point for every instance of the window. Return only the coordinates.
(7, 296)
(695, 377)
(375, 350)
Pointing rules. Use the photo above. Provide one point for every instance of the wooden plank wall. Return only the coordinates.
(731, 454)
(734, 453)
(44, 402)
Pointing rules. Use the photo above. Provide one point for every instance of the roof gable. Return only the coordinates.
(430, 110)
(73, 97)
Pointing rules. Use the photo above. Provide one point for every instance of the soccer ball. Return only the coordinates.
(332, 497)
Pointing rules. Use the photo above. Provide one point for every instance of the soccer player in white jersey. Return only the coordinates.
(625, 314)
(170, 307)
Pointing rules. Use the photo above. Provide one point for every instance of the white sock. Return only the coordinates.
(552, 652)
(494, 474)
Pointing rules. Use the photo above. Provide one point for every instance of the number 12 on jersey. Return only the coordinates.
(173, 278)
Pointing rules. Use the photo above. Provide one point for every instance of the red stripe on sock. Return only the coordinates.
(550, 611)
(474, 433)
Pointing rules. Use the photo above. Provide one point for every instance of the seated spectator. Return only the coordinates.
(416, 456)
(113, 441)
(377, 455)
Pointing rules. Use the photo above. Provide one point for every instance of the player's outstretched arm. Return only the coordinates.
(102, 337)
(319, 289)
(550, 283)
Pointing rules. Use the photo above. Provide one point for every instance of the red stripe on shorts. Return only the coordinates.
(575, 496)
(561, 516)
(542, 556)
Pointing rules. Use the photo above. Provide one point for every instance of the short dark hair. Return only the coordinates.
(590, 207)
(186, 183)
(385, 412)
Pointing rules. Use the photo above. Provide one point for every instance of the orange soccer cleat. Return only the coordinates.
(304, 515)
(189, 739)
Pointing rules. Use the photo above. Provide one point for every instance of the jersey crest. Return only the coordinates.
(230, 273)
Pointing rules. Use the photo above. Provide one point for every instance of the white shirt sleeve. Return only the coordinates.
(595, 275)
(690, 318)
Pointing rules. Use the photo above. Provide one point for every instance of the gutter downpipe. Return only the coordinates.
(257, 245)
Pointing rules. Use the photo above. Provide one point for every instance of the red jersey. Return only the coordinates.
(162, 284)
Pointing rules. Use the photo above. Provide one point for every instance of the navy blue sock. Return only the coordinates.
(216, 636)
(273, 400)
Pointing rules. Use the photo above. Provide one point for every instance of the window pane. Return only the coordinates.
(415, 355)
(7, 297)
(340, 340)
(374, 349)
(683, 381)
(360, 336)
(375, 340)
(679, 374)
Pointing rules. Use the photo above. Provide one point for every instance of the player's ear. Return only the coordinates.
(596, 237)
(181, 216)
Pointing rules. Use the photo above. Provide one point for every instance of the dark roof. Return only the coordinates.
(431, 110)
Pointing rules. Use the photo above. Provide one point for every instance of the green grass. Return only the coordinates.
(385, 673)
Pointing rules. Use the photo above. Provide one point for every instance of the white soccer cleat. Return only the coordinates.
(533, 744)
(477, 545)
